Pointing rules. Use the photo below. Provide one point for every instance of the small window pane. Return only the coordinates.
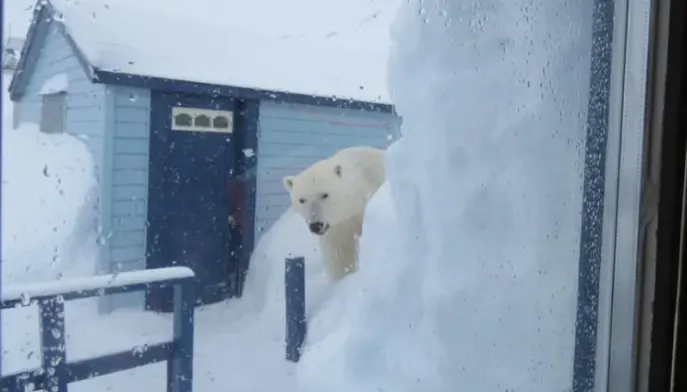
(202, 121)
(220, 122)
(183, 119)
(53, 113)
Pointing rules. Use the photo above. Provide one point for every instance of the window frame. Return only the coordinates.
(625, 220)
(660, 355)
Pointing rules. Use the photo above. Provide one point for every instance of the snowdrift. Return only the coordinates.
(264, 294)
(469, 256)
(48, 206)
(49, 227)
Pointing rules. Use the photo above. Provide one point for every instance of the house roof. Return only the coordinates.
(308, 48)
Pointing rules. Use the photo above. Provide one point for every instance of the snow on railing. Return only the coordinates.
(77, 286)
(56, 373)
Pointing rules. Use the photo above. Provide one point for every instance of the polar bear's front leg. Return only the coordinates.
(339, 255)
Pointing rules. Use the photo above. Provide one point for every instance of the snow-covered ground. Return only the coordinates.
(49, 198)
(469, 259)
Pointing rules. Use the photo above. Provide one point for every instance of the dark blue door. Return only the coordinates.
(192, 159)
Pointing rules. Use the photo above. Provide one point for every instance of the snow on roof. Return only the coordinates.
(315, 47)
(55, 84)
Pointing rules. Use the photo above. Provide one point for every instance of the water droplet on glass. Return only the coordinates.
(25, 299)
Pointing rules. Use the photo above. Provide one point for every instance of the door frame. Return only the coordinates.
(244, 136)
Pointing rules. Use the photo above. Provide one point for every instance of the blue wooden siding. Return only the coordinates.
(125, 197)
(129, 185)
(291, 137)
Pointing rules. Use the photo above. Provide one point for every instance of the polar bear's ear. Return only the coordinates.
(288, 182)
(337, 170)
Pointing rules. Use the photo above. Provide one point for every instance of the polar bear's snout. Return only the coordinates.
(318, 228)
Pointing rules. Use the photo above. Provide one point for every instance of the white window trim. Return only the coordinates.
(194, 112)
(618, 333)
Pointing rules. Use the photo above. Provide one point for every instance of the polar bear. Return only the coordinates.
(331, 195)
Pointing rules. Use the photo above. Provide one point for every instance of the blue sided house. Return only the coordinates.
(192, 126)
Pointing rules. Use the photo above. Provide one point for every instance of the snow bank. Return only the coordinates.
(48, 227)
(469, 256)
(48, 206)
(264, 288)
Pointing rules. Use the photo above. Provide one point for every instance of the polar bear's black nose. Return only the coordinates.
(316, 227)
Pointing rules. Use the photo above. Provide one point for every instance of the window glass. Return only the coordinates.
(340, 195)
(53, 113)
(220, 122)
(201, 120)
(183, 119)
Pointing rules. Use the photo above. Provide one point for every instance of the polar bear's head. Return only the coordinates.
(321, 195)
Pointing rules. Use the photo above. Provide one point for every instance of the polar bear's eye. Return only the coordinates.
(325, 195)
(301, 200)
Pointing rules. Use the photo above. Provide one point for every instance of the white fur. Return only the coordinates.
(335, 192)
